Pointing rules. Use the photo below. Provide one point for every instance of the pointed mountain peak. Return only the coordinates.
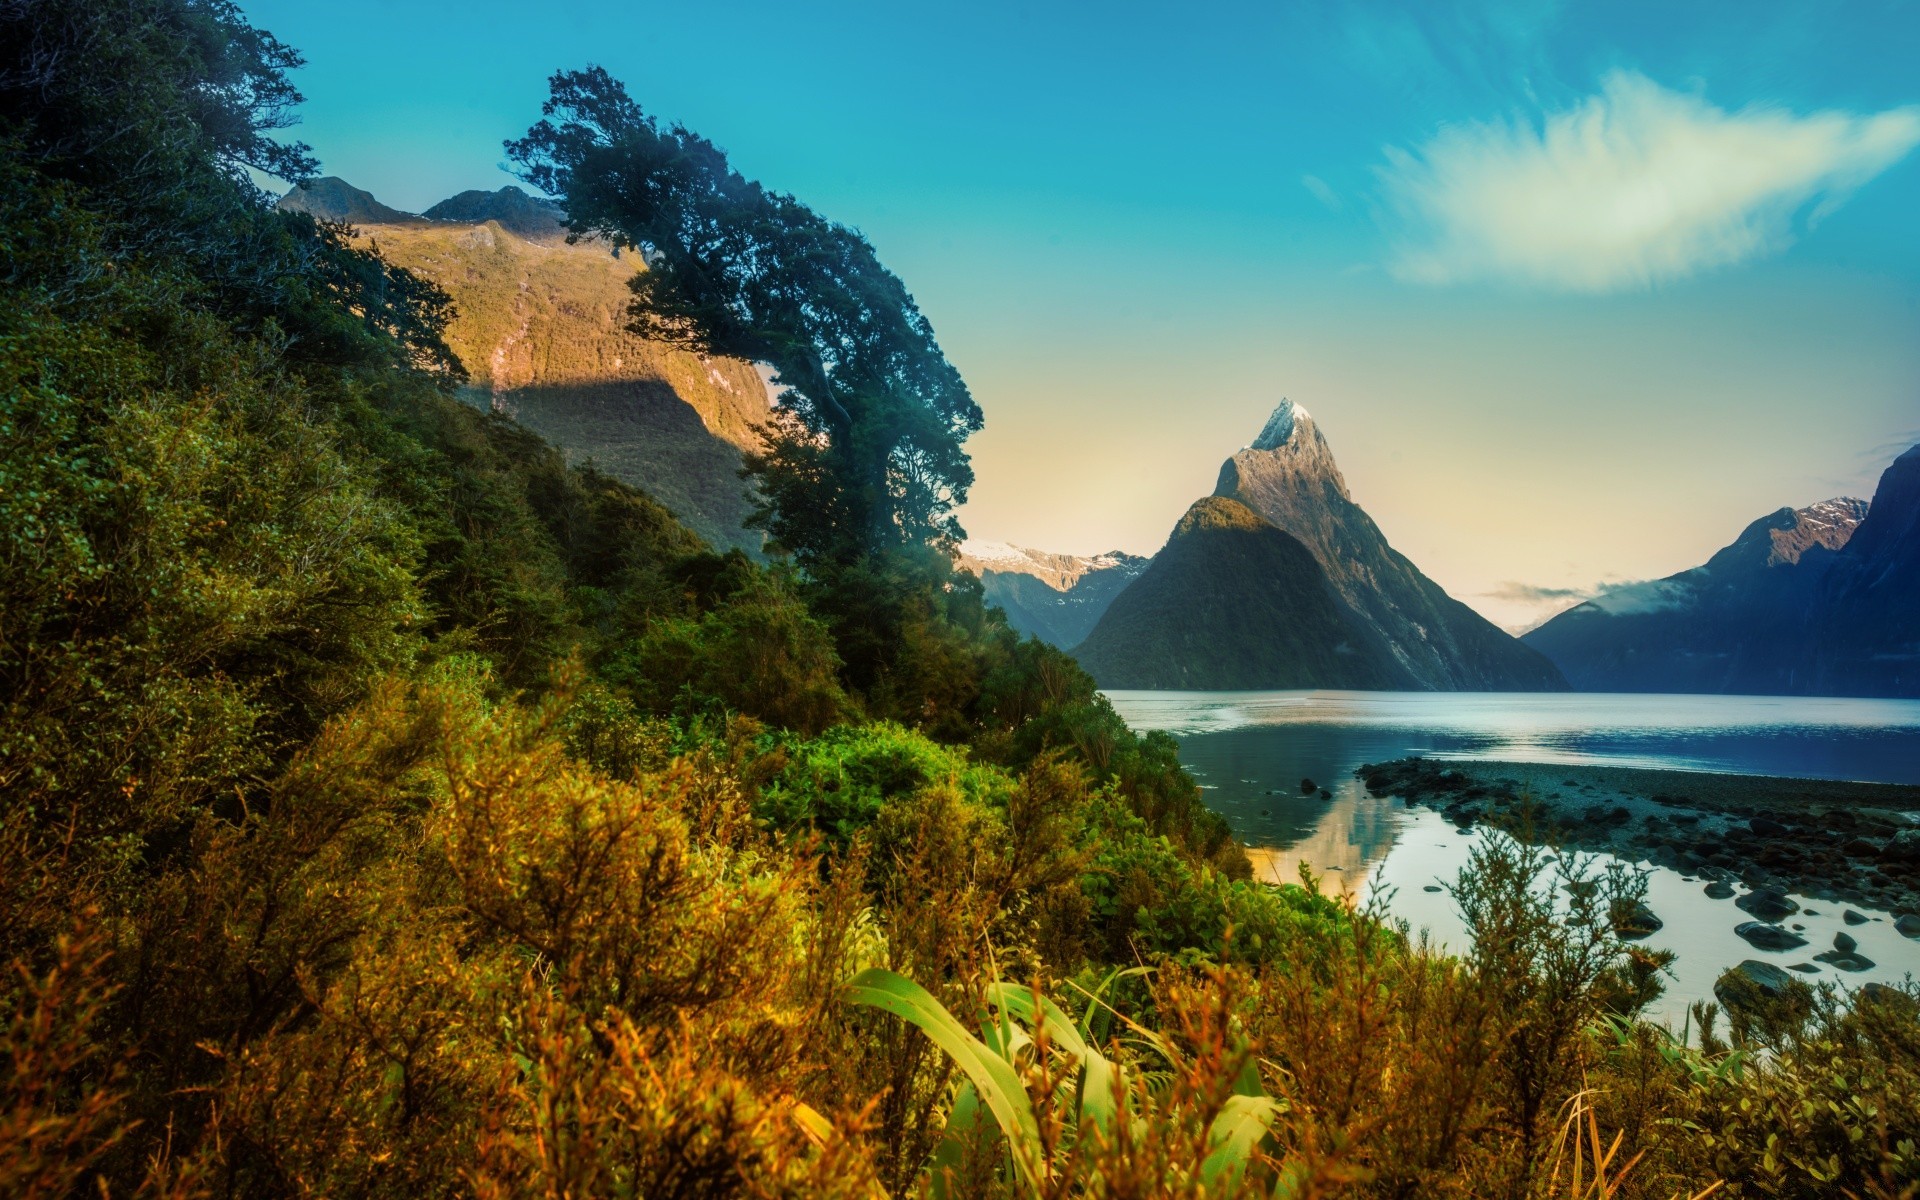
(1279, 429)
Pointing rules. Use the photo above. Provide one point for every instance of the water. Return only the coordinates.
(1251, 751)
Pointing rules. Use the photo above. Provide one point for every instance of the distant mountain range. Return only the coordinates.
(1055, 597)
(1823, 600)
(541, 328)
(1280, 580)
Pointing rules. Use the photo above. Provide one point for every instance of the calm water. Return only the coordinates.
(1250, 751)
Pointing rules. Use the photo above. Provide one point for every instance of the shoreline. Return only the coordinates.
(1839, 841)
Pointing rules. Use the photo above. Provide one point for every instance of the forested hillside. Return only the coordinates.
(389, 809)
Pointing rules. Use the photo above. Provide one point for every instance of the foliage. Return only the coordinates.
(866, 454)
(389, 809)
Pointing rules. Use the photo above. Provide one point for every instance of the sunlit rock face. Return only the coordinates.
(1288, 476)
(541, 328)
(1822, 600)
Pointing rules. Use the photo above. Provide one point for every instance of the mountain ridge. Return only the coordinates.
(1055, 597)
(1818, 600)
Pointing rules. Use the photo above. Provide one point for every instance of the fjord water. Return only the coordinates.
(1252, 750)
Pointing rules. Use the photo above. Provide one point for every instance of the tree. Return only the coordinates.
(866, 451)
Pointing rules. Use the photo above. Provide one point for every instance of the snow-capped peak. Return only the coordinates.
(1278, 430)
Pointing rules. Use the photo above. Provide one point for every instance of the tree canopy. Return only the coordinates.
(867, 448)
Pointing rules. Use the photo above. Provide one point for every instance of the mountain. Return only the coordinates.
(1823, 600)
(541, 328)
(1869, 642)
(1234, 603)
(1288, 476)
(331, 198)
(517, 212)
(1055, 597)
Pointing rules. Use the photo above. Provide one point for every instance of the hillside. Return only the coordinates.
(1288, 476)
(1233, 603)
(1057, 598)
(540, 328)
(1812, 601)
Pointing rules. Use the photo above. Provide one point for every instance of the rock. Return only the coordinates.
(1634, 921)
(1751, 985)
(1804, 968)
(1433, 887)
(1767, 827)
(1908, 925)
(1719, 889)
(1769, 904)
(1845, 962)
(1853, 918)
(1880, 993)
(1860, 848)
(1844, 943)
(1583, 888)
(1308, 787)
(1904, 846)
(1769, 937)
(1325, 794)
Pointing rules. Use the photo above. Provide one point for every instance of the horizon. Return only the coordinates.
(1530, 409)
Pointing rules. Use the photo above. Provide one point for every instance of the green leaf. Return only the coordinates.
(992, 1076)
(1242, 1122)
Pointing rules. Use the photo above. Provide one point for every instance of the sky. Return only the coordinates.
(1574, 290)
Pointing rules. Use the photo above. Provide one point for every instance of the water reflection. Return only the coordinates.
(1344, 846)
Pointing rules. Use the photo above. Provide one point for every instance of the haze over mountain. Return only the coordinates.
(1245, 576)
(1055, 597)
(540, 327)
(1823, 600)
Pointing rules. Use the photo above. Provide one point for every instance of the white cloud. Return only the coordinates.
(1634, 185)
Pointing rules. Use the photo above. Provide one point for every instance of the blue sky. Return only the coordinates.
(1575, 290)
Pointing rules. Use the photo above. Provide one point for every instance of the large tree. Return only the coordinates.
(867, 452)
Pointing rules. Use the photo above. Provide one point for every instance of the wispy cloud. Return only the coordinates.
(1321, 192)
(1618, 598)
(1633, 186)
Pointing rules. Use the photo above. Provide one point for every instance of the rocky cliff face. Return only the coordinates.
(541, 330)
(1823, 600)
(1233, 603)
(1288, 476)
(1057, 598)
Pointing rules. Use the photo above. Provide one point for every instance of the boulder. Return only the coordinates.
(1853, 918)
(1634, 920)
(1308, 787)
(1804, 968)
(1844, 943)
(1908, 925)
(1769, 904)
(1767, 827)
(1845, 961)
(1719, 889)
(1769, 937)
(1752, 985)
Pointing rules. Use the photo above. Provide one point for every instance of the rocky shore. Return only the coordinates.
(1856, 843)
